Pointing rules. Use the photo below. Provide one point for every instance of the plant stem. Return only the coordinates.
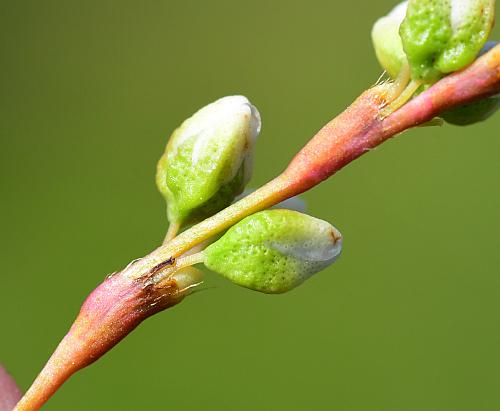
(10, 393)
(400, 82)
(111, 312)
(190, 260)
(402, 98)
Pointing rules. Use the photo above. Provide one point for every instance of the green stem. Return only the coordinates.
(405, 95)
(172, 231)
(125, 299)
(268, 195)
(190, 260)
(399, 85)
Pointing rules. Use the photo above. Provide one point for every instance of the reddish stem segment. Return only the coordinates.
(361, 128)
(10, 393)
(110, 312)
(338, 142)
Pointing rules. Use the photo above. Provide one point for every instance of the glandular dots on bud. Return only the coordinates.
(208, 159)
(443, 36)
(273, 251)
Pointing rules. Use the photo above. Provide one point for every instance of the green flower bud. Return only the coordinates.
(208, 159)
(274, 251)
(443, 36)
(387, 42)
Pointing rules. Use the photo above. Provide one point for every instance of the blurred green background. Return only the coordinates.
(407, 319)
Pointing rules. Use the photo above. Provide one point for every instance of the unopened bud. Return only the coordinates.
(443, 36)
(274, 251)
(387, 42)
(208, 159)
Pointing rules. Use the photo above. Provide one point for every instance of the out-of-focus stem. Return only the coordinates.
(402, 98)
(9, 391)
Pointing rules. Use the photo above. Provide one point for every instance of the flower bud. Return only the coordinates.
(208, 159)
(273, 251)
(443, 36)
(387, 42)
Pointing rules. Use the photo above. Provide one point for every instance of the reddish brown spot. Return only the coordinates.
(162, 265)
(334, 236)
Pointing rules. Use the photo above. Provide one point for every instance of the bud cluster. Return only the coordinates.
(207, 163)
(421, 41)
(208, 159)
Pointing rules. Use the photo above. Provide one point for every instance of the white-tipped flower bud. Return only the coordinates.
(208, 159)
(273, 251)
